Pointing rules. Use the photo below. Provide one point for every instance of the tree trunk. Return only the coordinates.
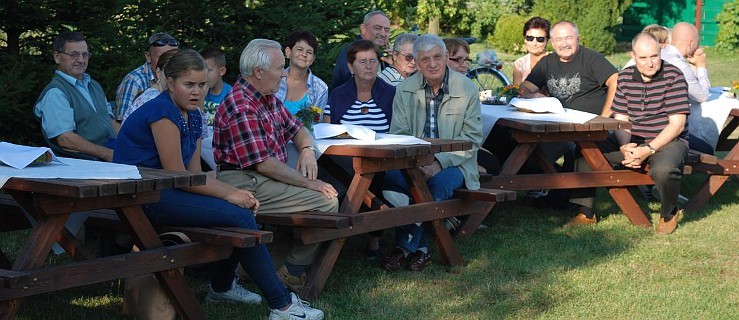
(434, 25)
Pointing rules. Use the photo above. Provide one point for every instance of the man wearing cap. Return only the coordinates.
(142, 77)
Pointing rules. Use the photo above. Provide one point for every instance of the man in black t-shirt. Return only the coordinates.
(580, 78)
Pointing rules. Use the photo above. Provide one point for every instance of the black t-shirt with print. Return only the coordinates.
(579, 84)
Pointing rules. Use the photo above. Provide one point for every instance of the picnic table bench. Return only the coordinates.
(367, 160)
(51, 201)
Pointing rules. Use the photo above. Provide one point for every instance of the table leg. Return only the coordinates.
(442, 237)
(517, 158)
(710, 187)
(621, 196)
(320, 270)
(474, 221)
(146, 238)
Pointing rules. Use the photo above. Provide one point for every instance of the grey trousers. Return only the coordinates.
(665, 168)
(275, 196)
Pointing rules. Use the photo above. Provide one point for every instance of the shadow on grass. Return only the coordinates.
(511, 269)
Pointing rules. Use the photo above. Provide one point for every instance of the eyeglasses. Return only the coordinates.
(365, 62)
(538, 39)
(407, 56)
(461, 60)
(76, 55)
(165, 42)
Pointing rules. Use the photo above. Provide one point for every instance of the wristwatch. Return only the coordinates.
(651, 150)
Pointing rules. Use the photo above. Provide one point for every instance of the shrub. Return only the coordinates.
(508, 34)
(728, 27)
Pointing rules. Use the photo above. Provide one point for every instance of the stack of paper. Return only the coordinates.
(538, 105)
(343, 131)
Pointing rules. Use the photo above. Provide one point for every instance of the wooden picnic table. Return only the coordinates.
(528, 134)
(51, 201)
(367, 160)
(719, 172)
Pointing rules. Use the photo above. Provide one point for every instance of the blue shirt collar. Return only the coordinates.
(72, 80)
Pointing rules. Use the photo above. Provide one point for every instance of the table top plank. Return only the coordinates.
(151, 179)
(398, 151)
(534, 126)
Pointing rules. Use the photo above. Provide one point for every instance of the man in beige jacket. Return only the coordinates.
(433, 103)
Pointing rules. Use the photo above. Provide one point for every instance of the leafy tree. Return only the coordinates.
(728, 27)
(596, 19)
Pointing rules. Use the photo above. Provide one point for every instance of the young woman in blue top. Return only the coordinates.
(165, 133)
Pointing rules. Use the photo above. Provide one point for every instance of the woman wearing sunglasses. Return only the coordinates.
(536, 34)
(403, 64)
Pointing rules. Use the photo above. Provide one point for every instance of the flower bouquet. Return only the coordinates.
(309, 115)
(735, 89)
(509, 92)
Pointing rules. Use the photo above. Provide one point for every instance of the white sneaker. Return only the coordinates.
(237, 293)
(298, 310)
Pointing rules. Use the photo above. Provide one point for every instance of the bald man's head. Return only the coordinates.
(685, 38)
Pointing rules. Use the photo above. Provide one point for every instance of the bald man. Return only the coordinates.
(652, 95)
(684, 52)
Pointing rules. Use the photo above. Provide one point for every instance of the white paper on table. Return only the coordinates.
(380, 139)
(491, 114)
(538, 105)
(707, 121)
(19, 156)
(69, 168)
(330, 130)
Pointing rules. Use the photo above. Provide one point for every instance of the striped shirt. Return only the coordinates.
(649, 104)
(391, 76)
(366, 114)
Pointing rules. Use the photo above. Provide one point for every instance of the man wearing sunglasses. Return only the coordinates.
(142, 77)
(73, 110)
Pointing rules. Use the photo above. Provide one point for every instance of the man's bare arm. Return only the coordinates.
(72, 141)
(611, 83)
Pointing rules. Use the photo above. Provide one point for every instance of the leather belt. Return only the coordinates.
(227, 167)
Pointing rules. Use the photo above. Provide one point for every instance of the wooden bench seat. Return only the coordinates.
(485, 194)
(14, 279)
(311, 219)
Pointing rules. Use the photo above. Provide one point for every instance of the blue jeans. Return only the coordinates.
(442, 185)
(181, 208)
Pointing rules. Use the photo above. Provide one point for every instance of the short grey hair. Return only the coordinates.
(404, 38)
(371, 14)
(570, 23)
(427, 42)
(256, 55)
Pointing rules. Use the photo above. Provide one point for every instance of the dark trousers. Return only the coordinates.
(665, 168)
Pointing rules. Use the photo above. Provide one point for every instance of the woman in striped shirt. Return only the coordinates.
(367, 100)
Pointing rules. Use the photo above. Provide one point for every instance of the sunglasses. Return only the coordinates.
(538, 39)
(408, 57)
(461, 60)
(165, 42)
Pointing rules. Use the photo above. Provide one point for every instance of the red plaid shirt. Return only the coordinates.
(250, 127)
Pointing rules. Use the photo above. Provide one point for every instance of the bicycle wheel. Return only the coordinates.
(487, 78)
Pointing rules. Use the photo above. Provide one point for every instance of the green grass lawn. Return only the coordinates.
(525, 266)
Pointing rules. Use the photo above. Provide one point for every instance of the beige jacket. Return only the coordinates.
(459, 118)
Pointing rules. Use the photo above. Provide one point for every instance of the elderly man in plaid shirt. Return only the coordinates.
(251, 131)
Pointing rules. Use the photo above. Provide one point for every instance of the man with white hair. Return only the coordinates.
(251, 131)
(375, 28)
(433, 103)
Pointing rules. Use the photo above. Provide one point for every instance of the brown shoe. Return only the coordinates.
(669, 226)
(394, 261)
(295, 284)
(580, 219)
(418, 261)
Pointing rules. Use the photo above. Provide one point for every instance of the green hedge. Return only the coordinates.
(727, 39)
